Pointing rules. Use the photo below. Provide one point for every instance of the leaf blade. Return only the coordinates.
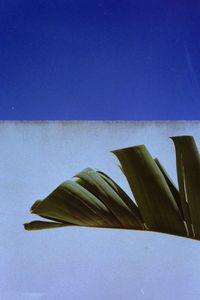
(129, 202)
(71, 203)
(102, 190)
(172, 186)
(40, 225)
(152, 194)
(188, 172)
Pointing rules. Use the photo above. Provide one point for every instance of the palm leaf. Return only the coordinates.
(172, 187)
(93, 199)
(188, 172)
(38, 225)
(99, 187)
(153, 196)
(129, 202)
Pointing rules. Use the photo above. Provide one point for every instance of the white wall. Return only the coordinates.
(79, 263)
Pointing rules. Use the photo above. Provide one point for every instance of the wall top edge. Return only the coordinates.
(74, 122)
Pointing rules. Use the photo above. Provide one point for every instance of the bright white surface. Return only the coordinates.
(79, 263)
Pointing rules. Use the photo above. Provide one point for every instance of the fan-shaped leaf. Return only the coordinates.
(153, 196)
(38, 225)
(188, 171)
(103, 191)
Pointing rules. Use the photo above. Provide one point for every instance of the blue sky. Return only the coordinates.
(82, 263)
(130, 59)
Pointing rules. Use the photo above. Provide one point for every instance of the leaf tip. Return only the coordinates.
(26, 227)
(34, 206)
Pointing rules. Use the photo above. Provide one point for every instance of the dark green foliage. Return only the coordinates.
(93, 199)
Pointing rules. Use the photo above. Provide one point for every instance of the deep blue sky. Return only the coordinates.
(103, 59)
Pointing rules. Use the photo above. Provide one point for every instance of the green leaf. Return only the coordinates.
(117, 206)
(94, 199)
(153, 196)
(129, 202)
(38, 225)
(171, 186)
(71, 203)
(188, 172)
